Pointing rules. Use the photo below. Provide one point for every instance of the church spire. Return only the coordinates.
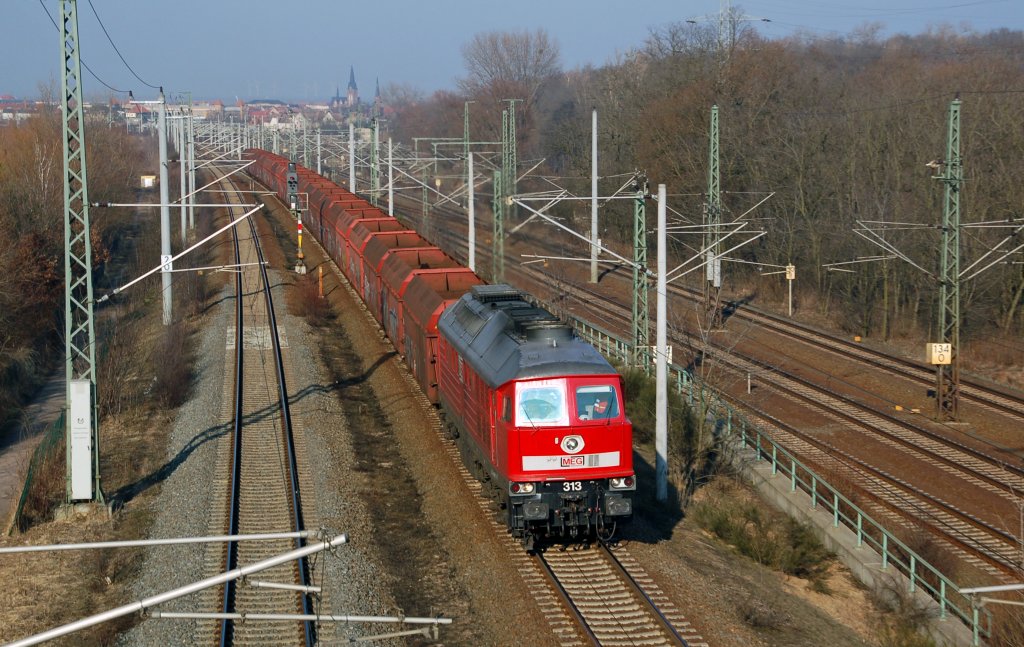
(352, 95)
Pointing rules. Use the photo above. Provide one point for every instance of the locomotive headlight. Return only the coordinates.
(572, 444)
(521, 488)
(622, 483)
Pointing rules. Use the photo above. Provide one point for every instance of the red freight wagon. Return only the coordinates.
(397, 269)
(358, 237)
(377, 249)
(423, 302)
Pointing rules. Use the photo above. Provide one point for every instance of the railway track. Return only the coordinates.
(611, 605)
(982, 543)
(260, 489)
(990, 396)
(988, 549)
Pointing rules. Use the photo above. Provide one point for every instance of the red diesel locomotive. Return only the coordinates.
(541, 413)
(537, 413)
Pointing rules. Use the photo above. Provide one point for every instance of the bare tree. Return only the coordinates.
(401, 95)
(509, 63)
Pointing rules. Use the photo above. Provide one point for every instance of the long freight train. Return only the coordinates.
(537, 413)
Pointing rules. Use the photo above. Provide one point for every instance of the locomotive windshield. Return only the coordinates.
(542, 402)
(597, 402)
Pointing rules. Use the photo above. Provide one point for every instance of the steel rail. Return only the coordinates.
(891, 419)
(566, 599)
(286, 424)
(653, 617)
(624, 573)
(908, 368)
(227, 627)
(230, 589)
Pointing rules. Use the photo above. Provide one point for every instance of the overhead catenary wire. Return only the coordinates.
(111, 41)
(89, 69)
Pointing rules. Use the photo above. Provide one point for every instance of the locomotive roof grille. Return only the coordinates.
(495, 293)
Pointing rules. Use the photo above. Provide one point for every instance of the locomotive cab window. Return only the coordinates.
(597, 402)
(541, 403)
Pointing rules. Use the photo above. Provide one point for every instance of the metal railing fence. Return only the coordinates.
(894, 553)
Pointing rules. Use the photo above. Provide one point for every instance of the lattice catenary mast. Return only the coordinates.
(947, 376)
(82, 426)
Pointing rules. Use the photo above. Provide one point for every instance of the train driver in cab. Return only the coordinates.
(596, 403)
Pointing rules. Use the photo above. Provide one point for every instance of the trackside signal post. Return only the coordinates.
(790, 277)
(293, 204)
(82, 426)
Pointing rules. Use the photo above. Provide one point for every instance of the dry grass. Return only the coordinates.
(22, 372)
(48, 487)
(1007, 625)
(43, 590)
(172, 367)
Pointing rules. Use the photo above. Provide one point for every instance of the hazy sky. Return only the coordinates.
(302, 49)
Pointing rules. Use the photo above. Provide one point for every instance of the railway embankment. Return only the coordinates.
(887, 584)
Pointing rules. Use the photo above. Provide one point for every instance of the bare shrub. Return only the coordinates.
(119, 384)
(19, 374)
(171, 370)
(896, 635)
(309, 303)
(1007, 626)
(767, 537)
(193, 294)
(906, 617)
(931, 551)
(806, 556)
(758, 613)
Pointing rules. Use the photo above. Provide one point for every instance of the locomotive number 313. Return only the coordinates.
(572, 486)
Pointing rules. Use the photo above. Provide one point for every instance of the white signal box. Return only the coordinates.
(147, 181)
(790, 272)
(80, 422)
(939, 354)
